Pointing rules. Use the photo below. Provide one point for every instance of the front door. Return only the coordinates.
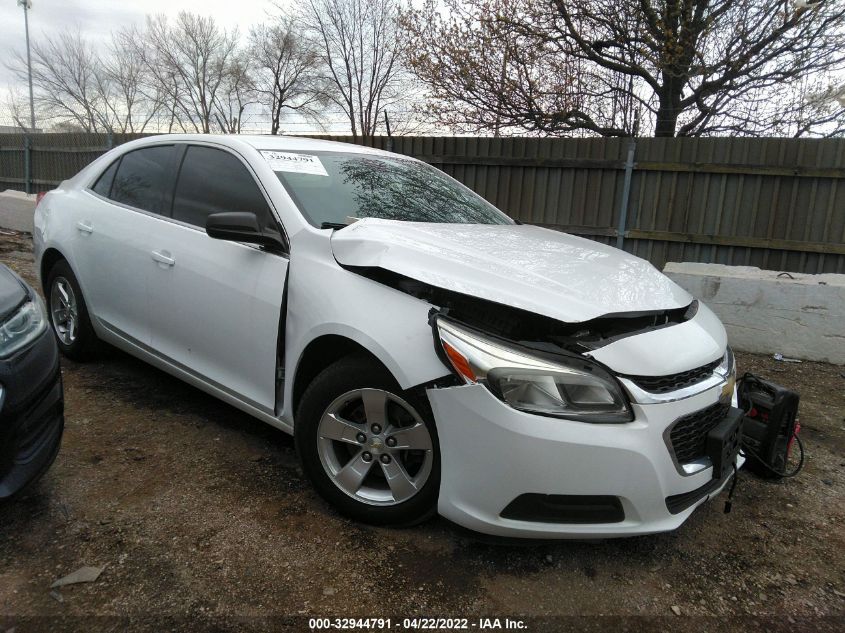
(215, 306)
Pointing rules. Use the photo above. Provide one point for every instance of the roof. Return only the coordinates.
(302, 143)
(282, 143)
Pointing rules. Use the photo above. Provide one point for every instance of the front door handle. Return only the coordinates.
(84, 228)
(163, 258)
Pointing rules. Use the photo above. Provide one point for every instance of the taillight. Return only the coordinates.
(39, 197)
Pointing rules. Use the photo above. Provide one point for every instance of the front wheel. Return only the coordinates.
(369, 449)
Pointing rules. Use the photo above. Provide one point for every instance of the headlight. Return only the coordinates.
(727, 369)
(23, 327)
(566, 387)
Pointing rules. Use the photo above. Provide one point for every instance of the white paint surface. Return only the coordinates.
(561, 276)
(801, 318)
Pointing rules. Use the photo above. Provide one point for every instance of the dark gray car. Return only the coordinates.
(31, 400)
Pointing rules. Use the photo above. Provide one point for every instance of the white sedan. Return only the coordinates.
(428, 353)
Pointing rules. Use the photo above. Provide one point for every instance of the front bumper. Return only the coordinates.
(31, 414)
(491, 454)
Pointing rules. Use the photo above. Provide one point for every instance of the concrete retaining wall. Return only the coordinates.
(17, 210)
(802, 317)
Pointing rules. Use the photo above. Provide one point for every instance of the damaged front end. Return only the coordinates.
(550, 384)
(535, 331)
(543, 291)
(574, 370)
(533, 363)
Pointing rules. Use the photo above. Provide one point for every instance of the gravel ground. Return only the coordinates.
(201, 515)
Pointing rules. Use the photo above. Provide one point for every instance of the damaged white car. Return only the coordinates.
(428, 353)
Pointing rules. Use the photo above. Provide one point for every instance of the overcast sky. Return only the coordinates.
(97, 18)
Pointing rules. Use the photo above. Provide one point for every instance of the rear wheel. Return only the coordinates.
(68, 313)
(369, 448)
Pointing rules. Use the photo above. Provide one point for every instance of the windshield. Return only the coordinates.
(332, 188)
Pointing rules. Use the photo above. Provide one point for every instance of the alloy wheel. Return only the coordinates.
(64, 310)
(375, 447)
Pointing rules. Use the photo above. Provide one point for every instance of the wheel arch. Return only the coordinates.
(50, 258)
(321, 352)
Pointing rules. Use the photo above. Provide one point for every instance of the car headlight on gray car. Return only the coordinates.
(25, 325)
(566, 387)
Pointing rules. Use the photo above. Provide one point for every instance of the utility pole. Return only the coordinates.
(27, 5)
(389, 135)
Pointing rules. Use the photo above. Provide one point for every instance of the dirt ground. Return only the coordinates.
(203, 519)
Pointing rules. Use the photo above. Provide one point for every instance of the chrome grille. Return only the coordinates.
(673, 382)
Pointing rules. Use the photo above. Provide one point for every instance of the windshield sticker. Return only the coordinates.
(296, 163)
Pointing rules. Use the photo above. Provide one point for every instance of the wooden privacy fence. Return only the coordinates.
(773, 203)
(39, 162)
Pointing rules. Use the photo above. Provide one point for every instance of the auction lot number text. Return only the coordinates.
(416, 624)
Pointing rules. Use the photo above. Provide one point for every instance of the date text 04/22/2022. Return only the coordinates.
(420, 624)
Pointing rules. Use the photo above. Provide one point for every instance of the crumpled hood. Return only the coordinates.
(547, 272)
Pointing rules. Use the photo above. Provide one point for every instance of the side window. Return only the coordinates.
(103, 184)
(143, 177)
(215, 181)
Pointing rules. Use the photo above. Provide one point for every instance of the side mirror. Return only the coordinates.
(239, 226)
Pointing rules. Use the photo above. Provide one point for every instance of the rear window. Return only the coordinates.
(143, 177)
(104, 182)
(337, 188)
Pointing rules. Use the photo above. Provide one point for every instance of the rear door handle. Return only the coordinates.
(84, 228)
(163, 258)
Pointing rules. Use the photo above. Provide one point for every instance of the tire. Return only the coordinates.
(401, 479)
(76, 340)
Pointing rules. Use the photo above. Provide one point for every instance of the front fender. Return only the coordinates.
(326, 299)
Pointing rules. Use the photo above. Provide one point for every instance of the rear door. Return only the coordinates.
(114, 227)
(216, 305)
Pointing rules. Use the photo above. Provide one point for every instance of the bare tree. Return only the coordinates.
(189, 61)
(65, 72)
(17, 108)
(131, 96)
(77, 87)
(483, 75)
(360, 47)
(688, 67)
(702, 56)
(808, 108)
(285, 67)
(236, 92)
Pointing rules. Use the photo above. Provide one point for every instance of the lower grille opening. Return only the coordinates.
(565, 509)
(689, 433)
